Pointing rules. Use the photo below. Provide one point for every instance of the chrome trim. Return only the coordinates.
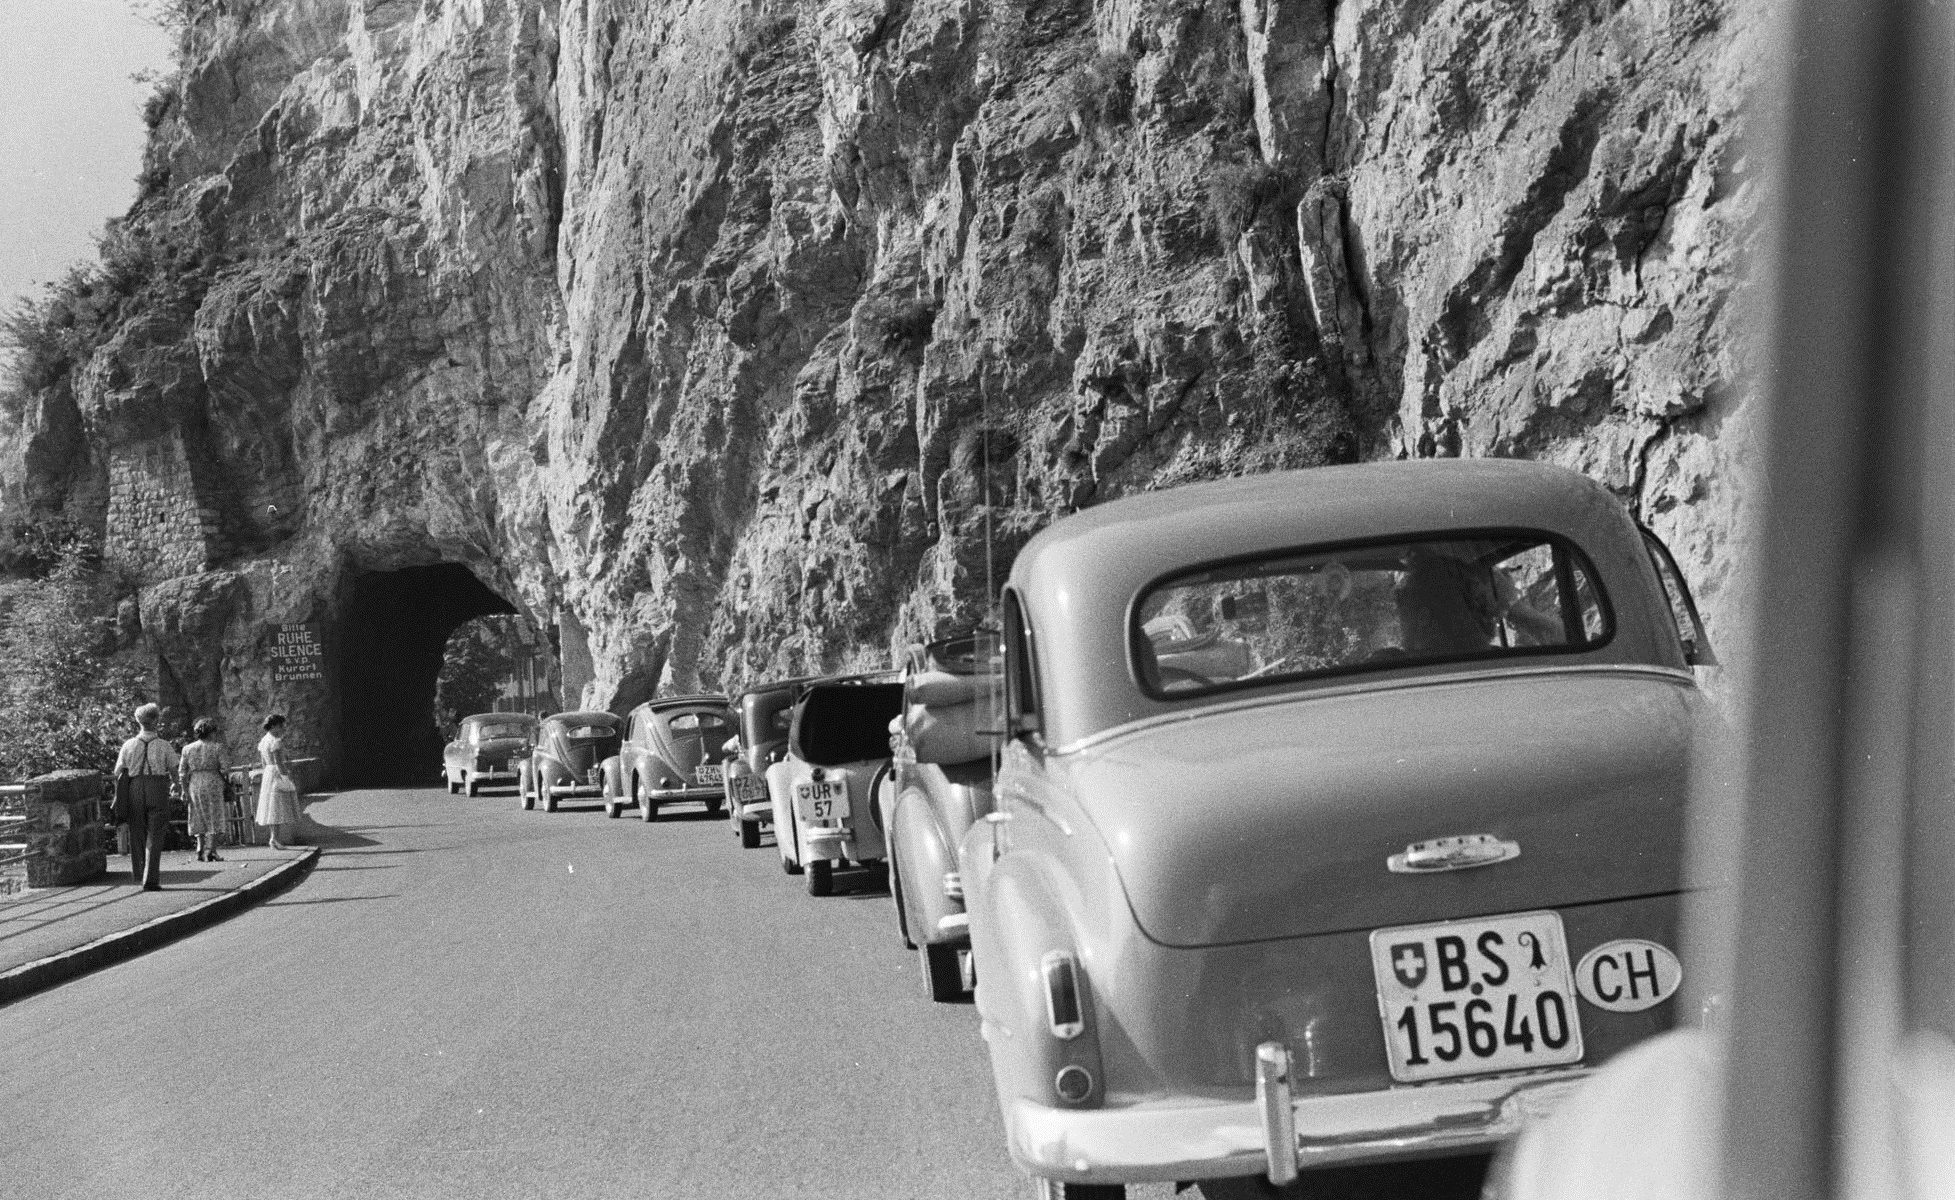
(1279, 1115)
(955, 923)
(953, 885)
(1181, 1138)
(1460, 852)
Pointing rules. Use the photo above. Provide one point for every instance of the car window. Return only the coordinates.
(1482, 595)
(592, 730)
(700, 722)
(1683, 610)
(1021, 678)
(490, 730)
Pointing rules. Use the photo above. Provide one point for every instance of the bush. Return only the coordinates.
(65, 700)
(479, 658)
(1238, 192)
(896, 325)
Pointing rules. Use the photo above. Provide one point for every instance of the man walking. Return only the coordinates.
(149, 761)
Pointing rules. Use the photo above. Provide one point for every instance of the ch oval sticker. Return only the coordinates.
(1628, 975)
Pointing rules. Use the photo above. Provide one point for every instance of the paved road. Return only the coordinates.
(470, 1000)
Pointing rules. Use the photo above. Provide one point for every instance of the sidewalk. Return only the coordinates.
(51, 935)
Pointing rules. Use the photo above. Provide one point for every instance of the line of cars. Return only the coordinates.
(1322, 818)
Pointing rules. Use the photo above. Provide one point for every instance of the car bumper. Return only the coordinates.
(754, 810)
(577, 789)
(508, 777)
(1186, 1139)
(677, 795)
(823, 843)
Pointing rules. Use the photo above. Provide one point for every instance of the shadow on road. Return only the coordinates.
(329, 900)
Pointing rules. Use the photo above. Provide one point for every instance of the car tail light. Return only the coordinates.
(1064, 1016)
(953, 885)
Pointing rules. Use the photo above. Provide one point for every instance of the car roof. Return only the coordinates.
(474, 718)
(1079, 576)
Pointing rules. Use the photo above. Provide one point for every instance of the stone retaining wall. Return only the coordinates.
(66, 839)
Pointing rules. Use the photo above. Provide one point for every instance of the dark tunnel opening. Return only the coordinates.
(393, 629)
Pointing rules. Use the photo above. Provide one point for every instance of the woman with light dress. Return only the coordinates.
(200, 776)
(278, 795)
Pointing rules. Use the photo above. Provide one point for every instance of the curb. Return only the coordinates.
(44, 973)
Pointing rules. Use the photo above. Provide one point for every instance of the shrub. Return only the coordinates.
(1238, 192)
(479, 658)
(65, 698)
(895, 324)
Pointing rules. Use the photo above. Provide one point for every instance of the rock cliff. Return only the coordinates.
(726, 339)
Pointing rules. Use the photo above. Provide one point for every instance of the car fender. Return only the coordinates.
(923, 856)
(613, 769)
(1023, 909)
(781, 778)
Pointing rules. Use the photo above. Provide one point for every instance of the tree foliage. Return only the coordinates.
(480, 657)
(65, 699)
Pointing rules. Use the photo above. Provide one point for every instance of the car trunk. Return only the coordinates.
(1277, 821)
(497, 753)
(684, 749)
(583, 753)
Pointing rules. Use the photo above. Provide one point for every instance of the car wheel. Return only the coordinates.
(713, 805)
(941, 978)
(790, 866)
(896, 898)
(546, 782)
(647, 807)
(525, 783)
(750, 835)
(471, 787)
(821, 878)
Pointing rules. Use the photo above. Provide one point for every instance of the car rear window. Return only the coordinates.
(705, 723)
(846, 722)
(510, 729)
(1381, 605)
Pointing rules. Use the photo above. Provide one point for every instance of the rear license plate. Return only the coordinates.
(823, 803)
(708, 774)
(1476, 997)
(749, 788)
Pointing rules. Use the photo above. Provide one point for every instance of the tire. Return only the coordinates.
(470, 787)
(750, 835)
(611, 809)
(525, 780)
(821, 878)
(714, 805)
(790, 866)
(896, 898)
(545, 781)
(647, 807)
(941, 978)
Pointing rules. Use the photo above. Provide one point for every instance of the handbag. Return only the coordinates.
(119, 807)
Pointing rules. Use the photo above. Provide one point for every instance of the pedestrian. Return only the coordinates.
(148, 761)
(201, 780)
(278, 795)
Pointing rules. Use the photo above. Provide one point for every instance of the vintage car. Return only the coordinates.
(568, 759)
(823, 790)
(1377, 885)
(939, 784)
(488, 750)
(766, 714)
(674, 750)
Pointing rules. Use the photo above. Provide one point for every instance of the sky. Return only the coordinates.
(71, 129)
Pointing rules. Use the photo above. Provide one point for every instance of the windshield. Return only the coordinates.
(1393, 604)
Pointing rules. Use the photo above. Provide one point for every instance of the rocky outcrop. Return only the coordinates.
(725, 340)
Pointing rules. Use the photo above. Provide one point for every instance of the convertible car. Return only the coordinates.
(674, 750)
(939, 784)
(488, 750)
(569, 758)
(823, 791)
(1337, 820)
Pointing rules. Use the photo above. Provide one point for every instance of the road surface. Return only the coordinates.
(465, 999)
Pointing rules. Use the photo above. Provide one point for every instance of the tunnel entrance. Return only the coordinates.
(392, 631)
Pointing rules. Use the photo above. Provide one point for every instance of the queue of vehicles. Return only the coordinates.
(1325, 817)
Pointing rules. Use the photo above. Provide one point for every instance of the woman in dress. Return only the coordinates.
(200, 777)
(278, 795)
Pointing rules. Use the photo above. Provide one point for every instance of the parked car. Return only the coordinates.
(488, 750)
(674, 750)
(1373, 874)
(939, 784)
(823, 790)
(765, 715)
(568, 759)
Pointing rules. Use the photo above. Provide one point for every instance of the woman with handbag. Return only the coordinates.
(200, 778)
(278, 795)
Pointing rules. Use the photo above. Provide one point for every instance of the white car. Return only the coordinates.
(824, 791)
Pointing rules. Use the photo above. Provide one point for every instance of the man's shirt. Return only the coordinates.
(147, 754)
